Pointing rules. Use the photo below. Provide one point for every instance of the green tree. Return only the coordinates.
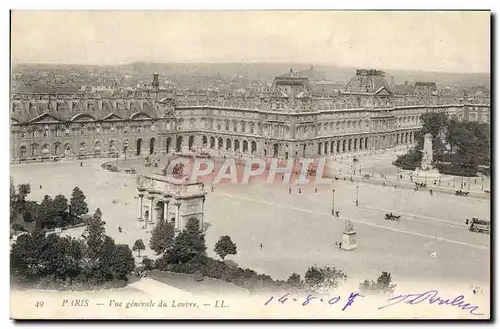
(94, 235)
(225, 247)
(138, 246)
(78, 204)
(162, 237)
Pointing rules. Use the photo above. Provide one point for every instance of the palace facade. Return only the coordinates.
(287, 120)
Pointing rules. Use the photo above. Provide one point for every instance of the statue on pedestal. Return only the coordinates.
(348, 236)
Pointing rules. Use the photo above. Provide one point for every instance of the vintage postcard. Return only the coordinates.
(250, 165)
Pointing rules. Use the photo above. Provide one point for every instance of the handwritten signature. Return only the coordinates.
(432, 297)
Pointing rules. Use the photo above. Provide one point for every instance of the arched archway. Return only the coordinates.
(366, 142)
(350, 145)
(138, 146)
(228, 144)
(253, 147)
(57, 148)
(275, 150)
(204, 141)
(22, 152)
(45, 150)
(190, 142)
(34, 150)
(220, 143)
(169, 141)
(320, 147)
(397, 138)
(325, 148)
(178, 145)
(212, 142)
(245, 146)
(160, 211)
(97, 147)
(332, 146)
(67, 149)
(152, 142)
(236, 145)
(344, 144)
(83, 147)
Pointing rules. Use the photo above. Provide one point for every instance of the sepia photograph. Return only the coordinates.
(259, 164)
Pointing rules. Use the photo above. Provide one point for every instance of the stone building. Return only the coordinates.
(284, 121)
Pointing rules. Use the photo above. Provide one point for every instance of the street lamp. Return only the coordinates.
(357, 195)
(212, 175)
(333, 202)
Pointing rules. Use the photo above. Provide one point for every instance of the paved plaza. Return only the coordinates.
(297, 230)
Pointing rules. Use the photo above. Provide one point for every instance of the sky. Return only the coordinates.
(426, 41)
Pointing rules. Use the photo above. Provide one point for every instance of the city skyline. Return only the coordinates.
(446, 42)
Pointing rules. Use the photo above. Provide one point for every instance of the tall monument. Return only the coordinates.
(426, 170)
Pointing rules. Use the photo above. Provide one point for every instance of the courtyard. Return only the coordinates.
(431, 243)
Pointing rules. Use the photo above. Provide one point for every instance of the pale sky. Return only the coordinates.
(428, 41)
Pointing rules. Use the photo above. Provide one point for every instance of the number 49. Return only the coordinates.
(39, 304)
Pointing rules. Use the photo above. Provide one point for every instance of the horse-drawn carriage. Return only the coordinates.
(417, 184)
(391, 216)
(479, 226)
(460, 192)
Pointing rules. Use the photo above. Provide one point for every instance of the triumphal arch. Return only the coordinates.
(175, 201)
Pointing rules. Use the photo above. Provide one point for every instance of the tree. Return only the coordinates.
(314, 277)
(225, 247)
(162, 237)
(60, 206)
(382, 286)
(94, 235)
(294, 280)
(24, 190)
(138, 245)
(324, 278)
(45, 213)
(78, 205)
(123, 263)
(190, 242)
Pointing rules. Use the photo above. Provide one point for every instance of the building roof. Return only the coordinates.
(24, 111)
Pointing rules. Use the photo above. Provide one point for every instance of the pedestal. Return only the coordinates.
(349, 240)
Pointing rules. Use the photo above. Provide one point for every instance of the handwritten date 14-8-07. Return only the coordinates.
(310, 299)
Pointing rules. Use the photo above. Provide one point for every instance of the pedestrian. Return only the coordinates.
(316, 190)
(467, 221)
(340, 245)
(40, 187)
(300, 191)
(120, 229)
(289, 190)
(336, 243)
(401, 176)
(81, 164)
(337, 213)
(430, 191)
(261, 246)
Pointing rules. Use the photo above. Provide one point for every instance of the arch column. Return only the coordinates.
(151, 208)
(165, 209)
